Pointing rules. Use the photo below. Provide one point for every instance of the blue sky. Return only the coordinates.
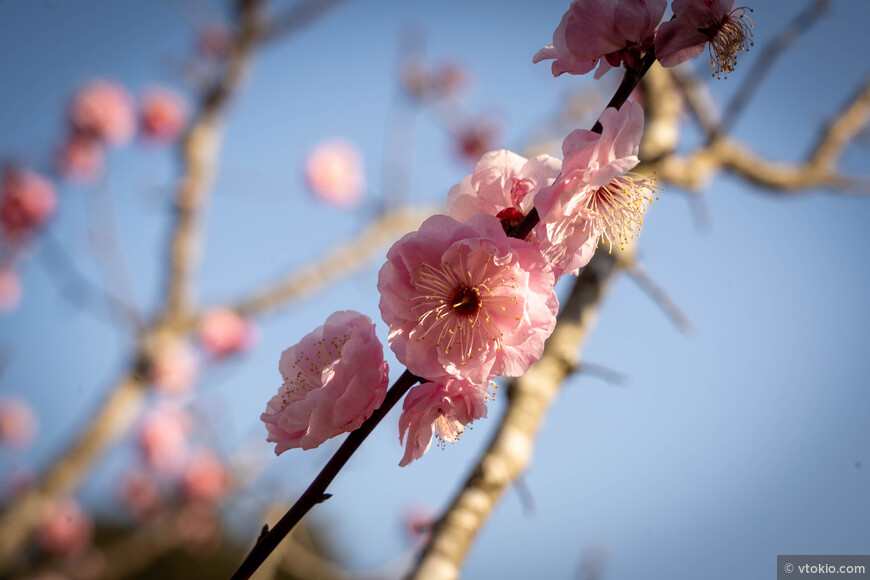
(744, 440)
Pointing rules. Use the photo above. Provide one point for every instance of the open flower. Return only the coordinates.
(334, 379)
(27, 201)
(441, 408)
(594, 197)
(104, 111)
(334, 170)
(503, 184)
(610, 31)
(466, 301)
(697, 22)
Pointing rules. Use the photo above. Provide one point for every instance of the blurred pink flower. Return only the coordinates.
(65, 529)
(464, 300)
(80, 159)
(175, 368)
(334, 170)
(334, 379)
(418, 521)
(503, 184)
(205, 478)
(163, 440)
(27, 201)
(141, 494)
(610, 31)
(104, 111)
(10, 288)
(441, 408)
(222, 332)
(163, 115)
(697, 22)
(474, 139)
(594, 197)
(18, 424)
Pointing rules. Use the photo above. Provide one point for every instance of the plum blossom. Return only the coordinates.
(334, 379)
(27, 201)
(594, 197)
(104, 111)
(80, 159)
(503, 184)
(205, 478)
(697, 22)
(162, 440)
(163, 115)
(65, 529)
(334, 170)
(442, 408)
(611, 32)
(464, 300)
(175, 368)
(18, 424)
(222, 332)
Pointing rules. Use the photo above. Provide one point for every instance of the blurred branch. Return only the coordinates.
(296, 17)
(660, 297)
(509, 452)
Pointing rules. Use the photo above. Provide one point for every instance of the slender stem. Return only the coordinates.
(626, 87)
(315, 493)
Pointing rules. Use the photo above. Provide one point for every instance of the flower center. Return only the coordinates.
(466, 301)
(617, 208)
(731, 36)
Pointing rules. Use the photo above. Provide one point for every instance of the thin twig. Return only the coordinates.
(660, 297)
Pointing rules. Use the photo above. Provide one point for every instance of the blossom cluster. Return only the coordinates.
(469, 296)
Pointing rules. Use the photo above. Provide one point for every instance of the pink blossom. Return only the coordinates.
(594, 197)
(65, 529)
(503, 184)
(334, 379)
(334, 170)
(163, 115)
(175, 368)
(104, 111)
(474, 139)
(163, 439)
(464, 300)
(27, 201)
(141, 494)
(80, 159)
(610, 31)
(222, 332)
(10, 288)
(18, 424)
(697, 22)
(205, 478)
(441, 408)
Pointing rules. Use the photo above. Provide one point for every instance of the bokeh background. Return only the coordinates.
(720, 449)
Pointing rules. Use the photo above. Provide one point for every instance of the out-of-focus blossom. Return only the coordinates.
(594, 197)
(197, 523)
(424, 83)
(334, 379)
(27, 201)
(205, 478)
(334, 171)
(141, 495)
(697, 22)
(65, 529)
(418, 521)
(474, 139)
(466, 301)
(80, 159)
(10, 288)
(104, 111)
(163, 115)
(441, 408)
(503, 184)
(175, 368)
(163, 440)
(18, 424)
(222, 332)
(611, 32)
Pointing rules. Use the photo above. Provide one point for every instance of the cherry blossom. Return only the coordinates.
(334, 170)
(697, 22)
(222, 332)
(464, 300)
(163, 115)
(442, 408)
(18, 424)
(105, 111)
(334, 379)
(503, 184)
(27, 201)
(594, 197)
(611, 32)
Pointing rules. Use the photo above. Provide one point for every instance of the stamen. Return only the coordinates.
(733, 35)
(617, 209)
